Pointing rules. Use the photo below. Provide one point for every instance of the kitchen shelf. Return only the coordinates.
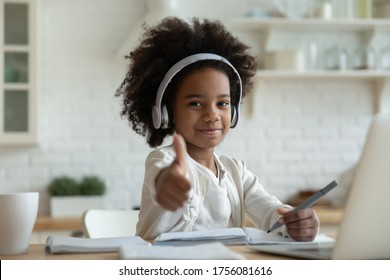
(373, 75)
(311, 24)
(369, 27)
(372, 31)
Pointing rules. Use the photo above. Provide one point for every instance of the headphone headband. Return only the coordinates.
(177, 67)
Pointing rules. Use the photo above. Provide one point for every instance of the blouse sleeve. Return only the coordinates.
(155, 162)
(154, 219)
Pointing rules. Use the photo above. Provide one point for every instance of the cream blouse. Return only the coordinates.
(213, 203)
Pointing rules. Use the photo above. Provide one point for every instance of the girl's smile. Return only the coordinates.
(210, 131)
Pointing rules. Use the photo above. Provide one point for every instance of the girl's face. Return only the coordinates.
(202, 109)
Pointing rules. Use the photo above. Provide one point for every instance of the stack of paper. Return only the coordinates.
(209, 251)
(59, 244)
(228, 236)
(134, 247)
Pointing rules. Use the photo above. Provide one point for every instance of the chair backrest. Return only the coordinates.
(99, 223)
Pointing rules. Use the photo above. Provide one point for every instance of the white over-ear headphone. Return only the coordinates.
(160, 112)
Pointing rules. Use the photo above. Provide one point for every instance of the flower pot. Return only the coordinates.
(74, 206)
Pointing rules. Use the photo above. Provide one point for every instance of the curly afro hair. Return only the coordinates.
(160, 48)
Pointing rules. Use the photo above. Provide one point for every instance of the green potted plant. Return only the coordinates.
(92, 185)
(70, 198)
(63, 186)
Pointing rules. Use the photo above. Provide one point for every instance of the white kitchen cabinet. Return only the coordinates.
(282, 34)
(18, 72)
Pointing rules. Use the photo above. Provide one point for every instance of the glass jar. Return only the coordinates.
(336, 58)
(324, 9)
(311, 56)
(385, 58)
(364, 58)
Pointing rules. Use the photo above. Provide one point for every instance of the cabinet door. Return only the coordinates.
(17, 95)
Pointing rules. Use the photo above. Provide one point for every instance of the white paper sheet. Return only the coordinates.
(209, 251)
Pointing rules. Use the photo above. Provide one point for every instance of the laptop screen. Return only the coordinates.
(365, 229)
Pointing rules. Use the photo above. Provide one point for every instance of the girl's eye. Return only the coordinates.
(195, 104)
(223, 103)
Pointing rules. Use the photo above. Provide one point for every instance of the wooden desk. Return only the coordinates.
(37, 252)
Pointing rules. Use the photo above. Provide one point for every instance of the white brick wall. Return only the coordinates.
(296, 134)
(304, 133)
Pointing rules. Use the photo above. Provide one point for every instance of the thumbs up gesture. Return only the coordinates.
(172, 186)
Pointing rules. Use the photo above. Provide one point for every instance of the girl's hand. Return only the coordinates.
(172, 186)
(302, 225)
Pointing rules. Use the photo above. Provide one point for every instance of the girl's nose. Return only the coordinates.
(211, 114)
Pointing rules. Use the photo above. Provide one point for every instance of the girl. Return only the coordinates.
(187, 80)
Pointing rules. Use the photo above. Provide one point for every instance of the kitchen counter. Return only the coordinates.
(329, 216)
(48, 223)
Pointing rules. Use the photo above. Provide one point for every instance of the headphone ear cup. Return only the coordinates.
(234, 119)
(165, 117)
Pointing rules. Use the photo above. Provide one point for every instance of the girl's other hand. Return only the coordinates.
(302, 225)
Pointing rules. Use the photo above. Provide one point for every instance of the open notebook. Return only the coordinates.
(228, 236)
(365, 228)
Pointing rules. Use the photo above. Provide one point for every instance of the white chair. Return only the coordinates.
(99, 223)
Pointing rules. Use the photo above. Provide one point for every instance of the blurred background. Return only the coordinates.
(323, 75)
